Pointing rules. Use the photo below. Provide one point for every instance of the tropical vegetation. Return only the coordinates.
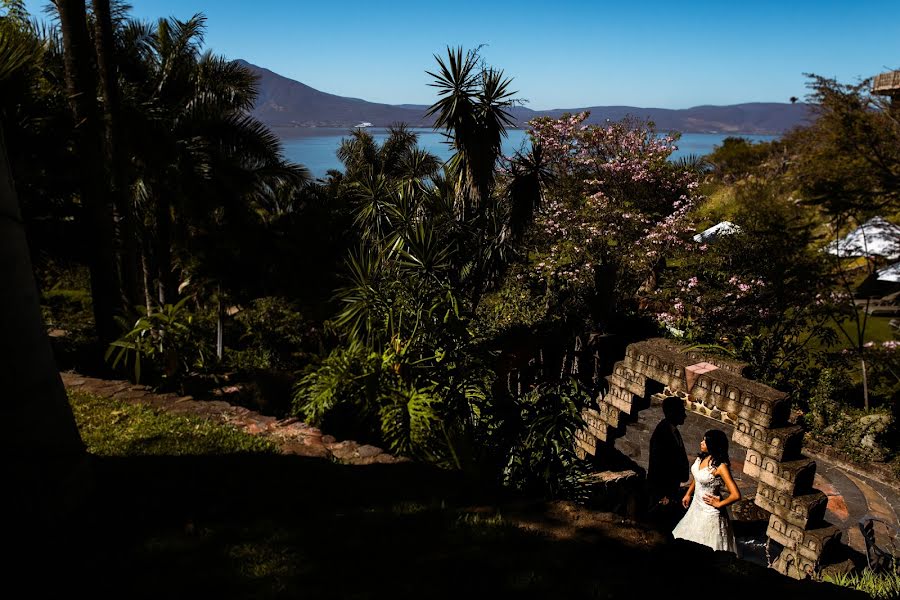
(449, 312)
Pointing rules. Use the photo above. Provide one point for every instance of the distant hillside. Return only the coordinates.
(284, 102)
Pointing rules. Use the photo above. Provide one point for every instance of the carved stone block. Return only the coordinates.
(782, 443)
(586, 441)
(636, 387)
(795, 476)
(793, 564)
(592, 417)
(609, 414)
(599, 430)
(728, 393)
(620, 398)
(798, 510)
(785, 533)
(657, 363)
(816, 540)
(752, 463)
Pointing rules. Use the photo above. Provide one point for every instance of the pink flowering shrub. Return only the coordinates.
(763, 293)
(617, 208)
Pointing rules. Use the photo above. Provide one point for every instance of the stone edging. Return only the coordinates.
(880, 472)
(291, 435)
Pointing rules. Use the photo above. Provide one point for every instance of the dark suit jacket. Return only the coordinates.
(668, 462)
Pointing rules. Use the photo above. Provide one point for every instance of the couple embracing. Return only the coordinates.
(706, 520)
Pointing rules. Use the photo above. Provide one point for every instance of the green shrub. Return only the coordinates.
(541, 456)
(274, 334)
(515, 304)
(166, 342)
(367, 388)
(737, 156)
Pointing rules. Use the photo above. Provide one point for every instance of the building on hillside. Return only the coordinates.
(888, 84)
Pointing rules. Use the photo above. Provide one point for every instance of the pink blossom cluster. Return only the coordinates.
(714, 298)
(616, 193)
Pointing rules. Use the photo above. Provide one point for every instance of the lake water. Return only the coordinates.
(316, 147)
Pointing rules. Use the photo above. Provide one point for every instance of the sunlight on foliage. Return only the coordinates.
(877, 585)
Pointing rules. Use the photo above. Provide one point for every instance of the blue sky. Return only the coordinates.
(561, 54)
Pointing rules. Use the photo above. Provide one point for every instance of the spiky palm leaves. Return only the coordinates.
(200, 162)
(472, 112)
(18, 48)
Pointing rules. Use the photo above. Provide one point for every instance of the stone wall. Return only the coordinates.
(755, 414)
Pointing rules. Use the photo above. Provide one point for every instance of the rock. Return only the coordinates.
(366, 451)
(309, 450)
(344, 450)
(328, 439)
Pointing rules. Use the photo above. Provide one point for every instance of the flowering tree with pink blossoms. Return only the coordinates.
(763, 293)
(617, 208)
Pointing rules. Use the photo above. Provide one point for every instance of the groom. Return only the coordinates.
(668, 466)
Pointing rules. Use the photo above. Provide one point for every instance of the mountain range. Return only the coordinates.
(283, 102)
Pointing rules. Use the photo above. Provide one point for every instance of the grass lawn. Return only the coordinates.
(181, 508)
(878, 329)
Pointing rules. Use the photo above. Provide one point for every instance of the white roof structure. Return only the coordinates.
(719, 229)
(874, 237)
(890, 273)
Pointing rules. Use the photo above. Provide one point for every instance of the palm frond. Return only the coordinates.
(18, 49)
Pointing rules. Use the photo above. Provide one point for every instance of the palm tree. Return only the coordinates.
(472, 111)
(107, 73)
(202, 160)
(97, 215)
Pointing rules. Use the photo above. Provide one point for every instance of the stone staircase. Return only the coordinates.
(716, 389)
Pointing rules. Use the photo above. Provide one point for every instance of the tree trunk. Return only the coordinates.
(41, 445)
(865, 383)
(148, 281)
(124, 234)
(163, 252)
(220, 327)
(97, 225)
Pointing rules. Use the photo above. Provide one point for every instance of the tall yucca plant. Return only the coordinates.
(472, 112)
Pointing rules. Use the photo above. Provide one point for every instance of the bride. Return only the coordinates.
(706, 521)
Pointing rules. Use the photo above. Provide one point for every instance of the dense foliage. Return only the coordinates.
(168, 228)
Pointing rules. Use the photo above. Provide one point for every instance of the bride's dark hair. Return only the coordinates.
(716, 447)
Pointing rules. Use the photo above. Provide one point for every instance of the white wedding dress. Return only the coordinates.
(703, 523)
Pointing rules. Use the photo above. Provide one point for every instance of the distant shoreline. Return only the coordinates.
(303, 131)
(316, 147)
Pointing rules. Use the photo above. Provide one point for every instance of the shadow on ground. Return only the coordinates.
(275, 526)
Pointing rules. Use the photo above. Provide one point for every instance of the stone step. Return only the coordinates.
(620, 398)
(799, 510)
(810, 543)
(610, 414)
(781, 443)
(586, 442)
(789, 477)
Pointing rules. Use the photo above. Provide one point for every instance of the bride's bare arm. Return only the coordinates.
(734, 494)
(686, 501)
